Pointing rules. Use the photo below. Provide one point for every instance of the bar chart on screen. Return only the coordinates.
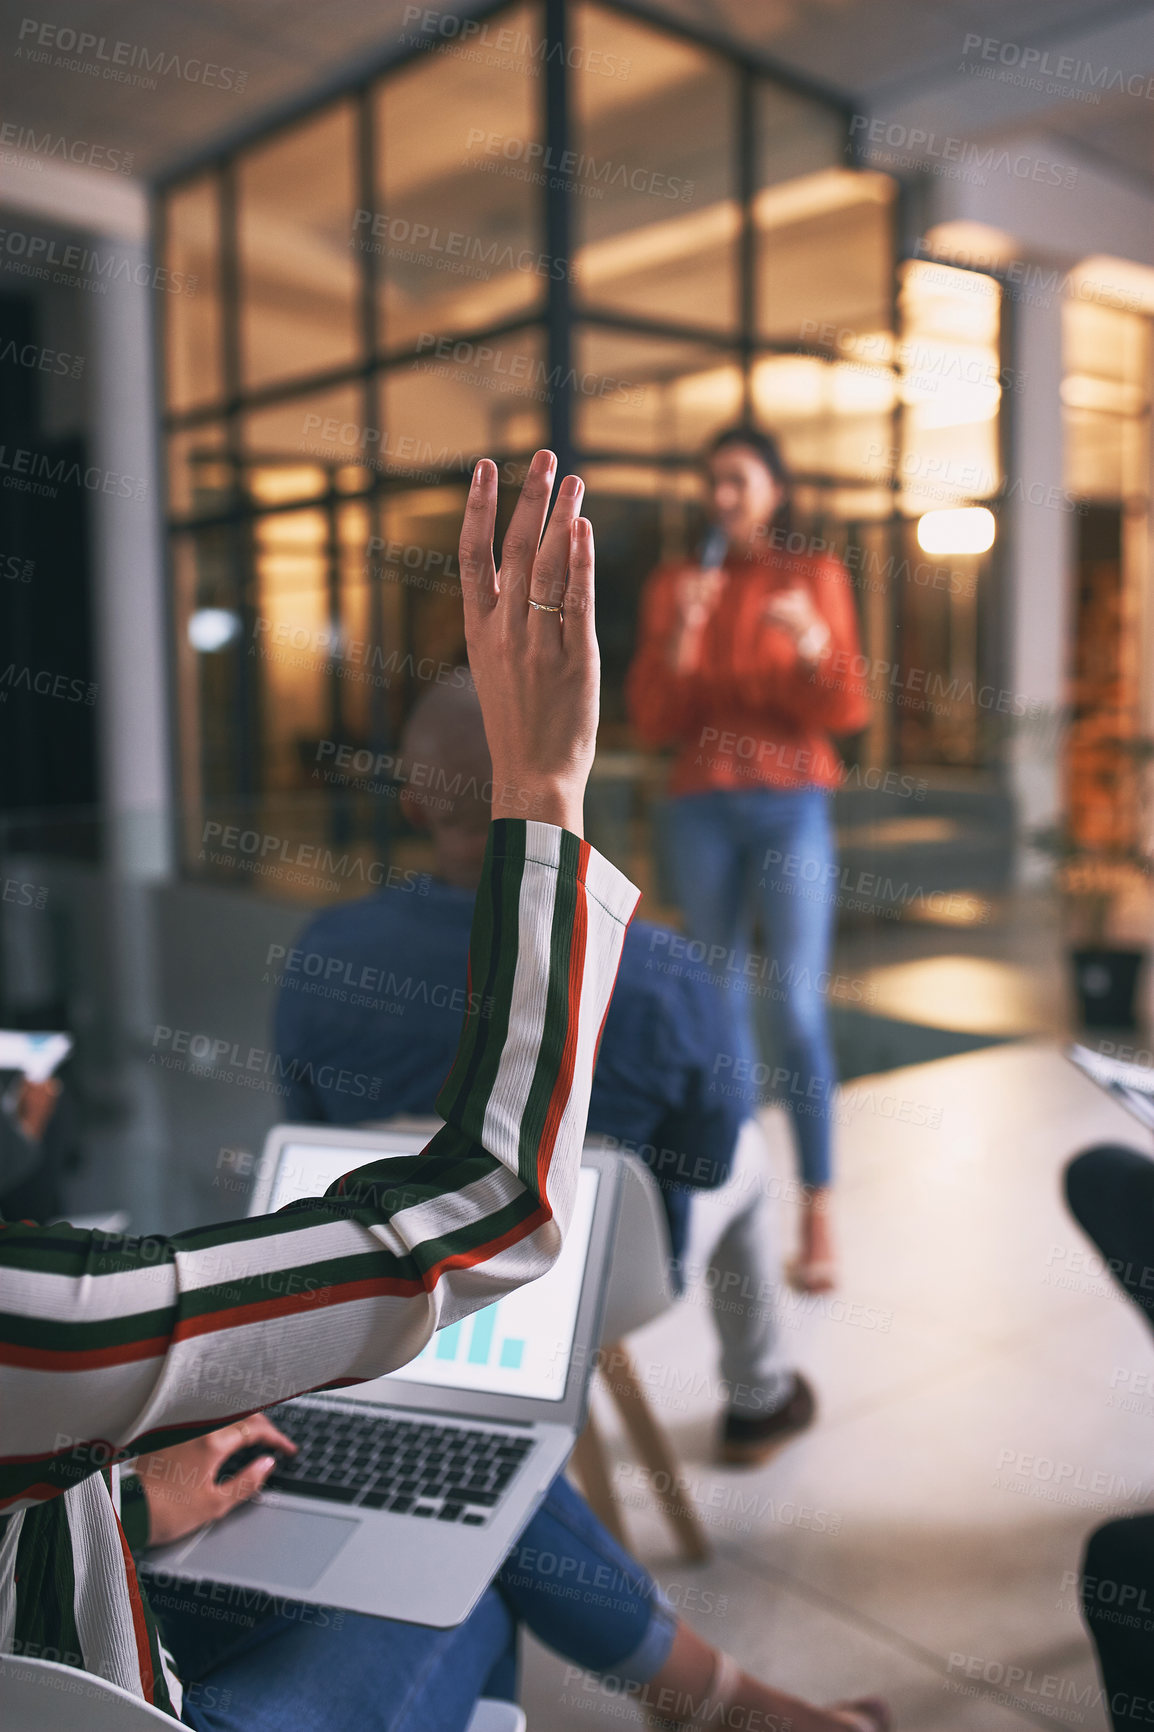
(520, 1345)
(449, 1344)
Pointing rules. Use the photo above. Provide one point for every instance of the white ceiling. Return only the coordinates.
(882, 53)
(868, 46)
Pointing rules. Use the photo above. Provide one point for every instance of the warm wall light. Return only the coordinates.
(970, 529)
(1102, 396)
(976, 246)
(811, 195)
(1113, 282)
(213, 628)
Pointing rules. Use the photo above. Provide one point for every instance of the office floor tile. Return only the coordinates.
(802, 1647)
(922, 1538)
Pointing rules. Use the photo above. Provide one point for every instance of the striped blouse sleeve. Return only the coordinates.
(109, 1345)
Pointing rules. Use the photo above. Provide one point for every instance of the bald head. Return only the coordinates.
(446, 766)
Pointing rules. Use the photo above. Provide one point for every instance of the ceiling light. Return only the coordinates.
(213, 628)
(970, 529)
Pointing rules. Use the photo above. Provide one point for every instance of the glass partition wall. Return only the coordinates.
(579, 228)
(1108, 363)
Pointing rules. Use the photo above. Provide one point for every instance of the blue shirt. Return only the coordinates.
(376, 989)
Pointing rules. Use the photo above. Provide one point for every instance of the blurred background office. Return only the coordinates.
(271, 278)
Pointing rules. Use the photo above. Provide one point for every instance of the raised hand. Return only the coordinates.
(532, 644)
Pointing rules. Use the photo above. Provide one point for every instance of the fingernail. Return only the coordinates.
(572, 486)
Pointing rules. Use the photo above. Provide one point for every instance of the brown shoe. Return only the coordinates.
(817, 1276)
(747, 1442)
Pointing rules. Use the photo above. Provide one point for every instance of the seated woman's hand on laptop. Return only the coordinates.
(532, 643)
(35, 1105)
(181, 1485)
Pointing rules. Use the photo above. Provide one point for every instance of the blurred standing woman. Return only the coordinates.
(745, 662)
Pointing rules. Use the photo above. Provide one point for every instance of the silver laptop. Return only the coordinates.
(409, 1491)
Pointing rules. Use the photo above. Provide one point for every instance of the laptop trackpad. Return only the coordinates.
(289, 1547)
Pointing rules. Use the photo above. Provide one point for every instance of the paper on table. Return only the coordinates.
(37, 1055)
(1131, 1085)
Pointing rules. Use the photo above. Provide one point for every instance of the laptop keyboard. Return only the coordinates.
(407, 1466)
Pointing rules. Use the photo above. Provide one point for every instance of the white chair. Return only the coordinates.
(493, 1716)
(44, 1696)
(639, 1289)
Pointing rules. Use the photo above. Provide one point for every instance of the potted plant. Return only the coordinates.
(1105, 971)
(1098, 870)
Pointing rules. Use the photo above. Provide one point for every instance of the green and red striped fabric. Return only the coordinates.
(111, 1345)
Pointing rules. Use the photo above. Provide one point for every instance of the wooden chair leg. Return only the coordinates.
(654, 1449)
(593, 1472)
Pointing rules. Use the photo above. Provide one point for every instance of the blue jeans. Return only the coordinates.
(567, 1580)
(735, 856)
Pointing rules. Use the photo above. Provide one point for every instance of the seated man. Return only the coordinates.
(378, 985)
(108, 1344)
(1110, 1191)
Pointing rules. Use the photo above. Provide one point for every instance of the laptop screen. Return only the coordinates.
(519, 1346)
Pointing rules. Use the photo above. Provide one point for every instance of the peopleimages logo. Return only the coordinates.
(45, 684)
(24, 895)
(540, 161)
(1063, 1479)
(16, 138)
(1038, 69)
(16, 568)
(958, 157)
(450, 250)
(522, 374)
(86, 267)
(229, 844)
(931, 364)
(119, 62)
(35, 472)
(516, 48)
(39, 360)
(216, 1059)
(348, 658)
